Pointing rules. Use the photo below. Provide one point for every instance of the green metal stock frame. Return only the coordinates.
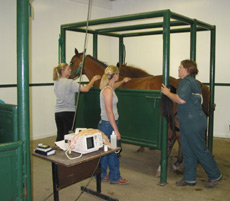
(170, 23)
(23, 8)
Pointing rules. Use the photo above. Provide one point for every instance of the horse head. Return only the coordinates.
(75, 64)
(91, 66)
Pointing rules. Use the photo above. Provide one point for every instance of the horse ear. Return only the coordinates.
(76, 51)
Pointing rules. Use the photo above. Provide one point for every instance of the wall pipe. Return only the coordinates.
(193, 41)
(23, 90)
(95, 45)
(212, 88)
(124, 18)
(165, 69)
(121, 50)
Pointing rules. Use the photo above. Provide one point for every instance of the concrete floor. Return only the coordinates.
(139, 168)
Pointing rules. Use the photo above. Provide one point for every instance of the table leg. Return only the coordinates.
(55, 181)
(98, 179)
(98, 192)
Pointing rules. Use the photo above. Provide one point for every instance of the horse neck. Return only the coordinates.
(93, 67)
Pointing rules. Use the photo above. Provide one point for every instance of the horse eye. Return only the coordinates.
(71, 63)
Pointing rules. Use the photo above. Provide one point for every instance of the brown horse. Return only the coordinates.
(144, 81)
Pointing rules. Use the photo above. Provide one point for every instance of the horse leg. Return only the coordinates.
(171, 141)
(141, 149)
(179, 156)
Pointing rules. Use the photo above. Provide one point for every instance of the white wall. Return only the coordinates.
(47, 16)
(144, 52)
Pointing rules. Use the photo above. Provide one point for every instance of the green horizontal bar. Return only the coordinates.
(41, 84)
(10, 145)
(139, 26)
(31, 85)
(205, 25)
(182, 18)
(219, 84)
(51, 84)
(123, 18)
(182, 30)
(191, 21)
(82, 30)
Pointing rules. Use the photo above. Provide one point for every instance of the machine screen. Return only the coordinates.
(90, 142)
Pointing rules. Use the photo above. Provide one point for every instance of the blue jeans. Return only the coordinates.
(110, 160)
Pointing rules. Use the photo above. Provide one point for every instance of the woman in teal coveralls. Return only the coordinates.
(193, 125)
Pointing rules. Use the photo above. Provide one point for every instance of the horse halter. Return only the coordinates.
(78, 69)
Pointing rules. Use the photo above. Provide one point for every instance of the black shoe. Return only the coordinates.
(184, 183)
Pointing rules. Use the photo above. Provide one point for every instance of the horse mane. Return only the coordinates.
(132, 71)
(97, 61)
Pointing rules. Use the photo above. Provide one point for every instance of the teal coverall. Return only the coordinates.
(193, 125)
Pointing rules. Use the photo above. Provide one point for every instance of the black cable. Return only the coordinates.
(48, 196)
(83, 190)
(83, 60)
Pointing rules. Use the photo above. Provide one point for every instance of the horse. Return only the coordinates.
(93, 66)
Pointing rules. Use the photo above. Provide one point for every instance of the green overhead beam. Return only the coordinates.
(159, 32)
(116, 19)
(139, 26)
(134, 34)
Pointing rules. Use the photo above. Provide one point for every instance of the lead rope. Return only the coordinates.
(81, 65)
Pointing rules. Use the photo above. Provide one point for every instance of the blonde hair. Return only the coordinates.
(57, 71)
(109, 72)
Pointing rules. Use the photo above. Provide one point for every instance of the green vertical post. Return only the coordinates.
(62, 46)
(193, 41)
(23, 90)
(166, 60)
(60, 41)
(212, 87)
(121, 50)
(95, 45)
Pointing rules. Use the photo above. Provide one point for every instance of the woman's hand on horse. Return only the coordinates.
(165, 90)
(126, 79)
(96, 77)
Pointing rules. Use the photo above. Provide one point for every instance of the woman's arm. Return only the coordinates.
(108, 97)
(87, 87)
(118, 84)
(172, 96)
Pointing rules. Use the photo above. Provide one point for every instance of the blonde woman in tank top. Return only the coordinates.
(109, 122)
